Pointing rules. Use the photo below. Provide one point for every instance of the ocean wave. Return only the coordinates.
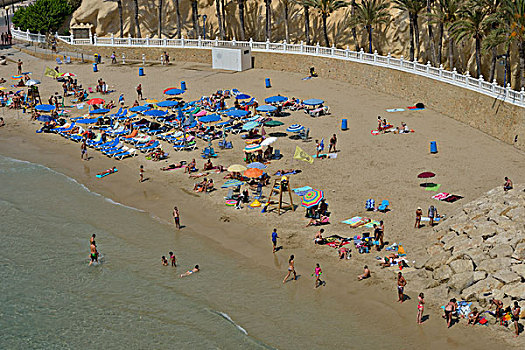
(70, 179)
(229, 319)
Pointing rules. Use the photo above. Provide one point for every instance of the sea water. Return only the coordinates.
(51, 298)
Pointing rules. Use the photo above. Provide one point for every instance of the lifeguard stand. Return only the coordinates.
(279, 186)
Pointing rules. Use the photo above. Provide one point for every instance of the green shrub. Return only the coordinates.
(44, 16)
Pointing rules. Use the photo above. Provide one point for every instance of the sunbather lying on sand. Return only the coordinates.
(285, 171)
(196, 176)
(173, 166)
(315, 222)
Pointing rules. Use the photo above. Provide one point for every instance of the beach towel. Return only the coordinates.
(426, 219)
(326, 155)
(374, 132)
(371, 224)
(452, 198)
(230, 202)
(301, 191)
(80, 105)
(441, 196)
(414, 108)
(392, 110)
(433, 188)
(289, 173)
(335, 244)
(356, 221)
(106, 173)
(306, 78)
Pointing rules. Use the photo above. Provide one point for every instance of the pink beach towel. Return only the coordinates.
(441, 196)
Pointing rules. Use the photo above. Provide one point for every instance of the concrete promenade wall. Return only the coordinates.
(501, 120)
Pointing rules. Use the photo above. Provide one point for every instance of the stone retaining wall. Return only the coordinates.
(501, 120)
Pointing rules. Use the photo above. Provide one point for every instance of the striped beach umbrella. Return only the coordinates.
(312, 198)
(256, 165)
(250, 125)
(232, 183)
(252, 148)
(68, 75)
(295, 128)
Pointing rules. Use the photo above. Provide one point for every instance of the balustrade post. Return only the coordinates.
(284, 46)
(332, 50)
(480, 81)
(234, 42)
(123, 58)
(507, 88)
(267, 44)
(388, 57)
(428, 67)
(317, 49)
(199, 41)
(302, 46)
(494, 84)
(440, 70)
(467, 77)
(361, 53)
(251, 43)
(27, 35)
(216, 41)
(375, 56)
(182, 40)
(164, 42)
(401, 60)
(112, 39)
(454, 73)
(129, 39)
(347, 51)
(95, 39)
(522, 95)
(71, 39)
(147, 40)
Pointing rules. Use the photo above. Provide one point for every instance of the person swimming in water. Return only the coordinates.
(94, 253)
(191, 272)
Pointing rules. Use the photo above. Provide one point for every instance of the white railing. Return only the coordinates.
(427, 70)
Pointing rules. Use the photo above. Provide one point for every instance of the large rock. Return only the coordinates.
(494, 265)
(515, 290)
(462, 265)
(477, 256)
(460, 281)
(442, 273)
(475, 290)
(519, 252)
(437, 260)
(484, 230)
(501, 251)
(437, 293)
(506, 276)
(519, 269)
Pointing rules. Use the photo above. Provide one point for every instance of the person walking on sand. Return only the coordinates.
(113, 58)
(401, 283)
(507, 185)
(419, 214)
(83, 150)
(291, 269)
(420, 307)
(19, 64)
(141, 173)
(333, 142)
(176, 217)
(173, 259)
(432, 213)
(274, 240)
(317, 148)
(139, 92)
(317, 273)
(516, 311)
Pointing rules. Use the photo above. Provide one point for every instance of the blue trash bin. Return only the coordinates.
(433, 147)
(268, 84)
(183, 85)
(141, 71)
(344, 124)
(95, 67)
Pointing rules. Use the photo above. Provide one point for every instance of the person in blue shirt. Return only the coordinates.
(274, 239)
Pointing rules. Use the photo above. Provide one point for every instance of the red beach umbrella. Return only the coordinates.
(96, 101)
(253, 172)
(426, 175)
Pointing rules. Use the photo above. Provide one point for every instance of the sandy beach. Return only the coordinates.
(469, 163)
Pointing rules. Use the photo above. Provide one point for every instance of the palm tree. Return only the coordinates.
(286, 4)
(493, 23)
(370, 13)
(431, 42)
(268, 23)
(241, 18)
(137, 24)
(179, 21)
(413, 8)
(160, 19)
(306, 10)
(445, 14)
(121, 20)
(326, 7)
(219, 18)
(354, 31)
(513, 11)
(223, 7)
(195, 17)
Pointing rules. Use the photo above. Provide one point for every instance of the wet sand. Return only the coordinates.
(382, 167)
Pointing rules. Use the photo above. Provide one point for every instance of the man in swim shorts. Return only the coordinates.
(401, 283)
(191, 272)
(176, 217)
(94, 253)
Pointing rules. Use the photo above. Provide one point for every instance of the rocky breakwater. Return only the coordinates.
(480, 251)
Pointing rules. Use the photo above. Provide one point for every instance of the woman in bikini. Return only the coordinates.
(516, 311)
(450, 308)
(317, 273)
(420, 307)
(291, 269)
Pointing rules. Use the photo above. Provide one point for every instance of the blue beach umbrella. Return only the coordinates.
(99, 111)
(139, 108)
(174, 91)
(44, 118)
(155, 113)
(276, 99)
(210, 118)
(237, 113)
(295, 128)
(266, 108)
(250, 125)
(45, 108)
(242, 97)
(87, 121)
(167, 104)
(313, 102)
(256, 165)
(223, 123)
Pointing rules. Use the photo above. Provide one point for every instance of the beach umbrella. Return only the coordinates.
(276, 99)
(96, 101)
(45, 118)
(256, 165)
(237, 113)
(139, 108)
(250, 125)
(223, 124)
(252, 148)
(426, 175)
(45, 108)
(155, 113)
(273, 123)
(32, 82)
(99, 111)
(167, 104)
(173, 91)
(236, 168)
(68, 75)
(86, 121)
(253, 173)
(295, 128)
(242, 97)
(312, 198)
(313, 102)
(268, 141)
(151, 100)
(210, 118)
(15, 77)
(266, 108)
(232, 183)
